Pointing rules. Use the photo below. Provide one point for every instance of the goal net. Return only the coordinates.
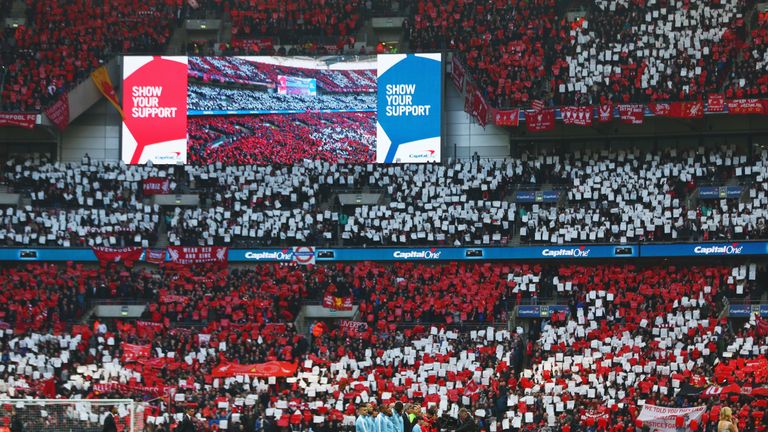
(70, 415)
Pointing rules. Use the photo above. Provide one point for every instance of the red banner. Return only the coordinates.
(155, 256)
(337, 303)
(507, 117)
(469, 97)
(480, 109)
(713, 391)
(172, 298)
(457, 73)
(540, 121)
(745, 106)
(125, 389)
(273, 329)
(678, 109)
(356, 329)
(147, 329)
(197, 255)
(605, 113)
(632, 113)
(127, 256)
(156, 186)
(715, 103)
(579, 116)
(258, 370)
(58, 112)
(133, 352)
(18, 119)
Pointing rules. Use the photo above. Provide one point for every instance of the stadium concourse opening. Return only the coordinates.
(383, 216)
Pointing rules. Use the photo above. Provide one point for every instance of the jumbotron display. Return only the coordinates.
(281, 110)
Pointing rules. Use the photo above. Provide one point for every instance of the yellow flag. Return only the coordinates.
(102, 82)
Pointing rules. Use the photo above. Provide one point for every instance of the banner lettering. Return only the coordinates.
(25, 120)
(197, 255)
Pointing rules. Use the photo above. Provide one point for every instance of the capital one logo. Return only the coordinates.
(580, 252)
(424, 155)
(427, 254)
(732, 249)
(269, 255)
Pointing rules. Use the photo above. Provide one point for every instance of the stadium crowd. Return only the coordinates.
(61, 43)
(621, 342)
(282, 138)
(235, 70)
(209, 98)
(516, 53)
(624, 196)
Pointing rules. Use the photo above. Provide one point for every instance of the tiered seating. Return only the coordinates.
(634, 333)
(88, 204)
(464, 203)
(638, 334)
(63, 42)
(621, 197)
(749, 73)
(630, 51)
(509, 47)
(294, 20)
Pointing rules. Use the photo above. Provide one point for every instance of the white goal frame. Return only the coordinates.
(130, 404)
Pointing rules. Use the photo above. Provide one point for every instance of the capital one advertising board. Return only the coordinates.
(155, 106)
(282, 110)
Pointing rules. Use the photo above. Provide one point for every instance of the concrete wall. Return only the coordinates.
(96, 132)
(464, 137)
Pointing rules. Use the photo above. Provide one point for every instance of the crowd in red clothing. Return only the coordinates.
(61, 43)
(516, 52)
(749, 77)
(509, 47)
(282, 139)
(632, 333)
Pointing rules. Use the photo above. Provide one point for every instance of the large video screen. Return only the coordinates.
(282, 110)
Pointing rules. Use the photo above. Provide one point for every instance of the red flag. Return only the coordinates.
(196, 255)
(605, 113)
(715, 103)
(457, 73)
(631, 113)
(580, 116)
(147, 329)
(156, 186)
(469, 97)
(127, 256)
(540, 121)
(507, 117)
(745, 106)
(537, 105)
(133, 352)
(688, 110)
(661, 109)
(260, 370)
(337, 303)
(155, 256)
(480, 109)
(678, 109)
(58, 112)
(355, 329)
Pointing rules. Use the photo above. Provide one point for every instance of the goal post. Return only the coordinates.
(71, 415)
